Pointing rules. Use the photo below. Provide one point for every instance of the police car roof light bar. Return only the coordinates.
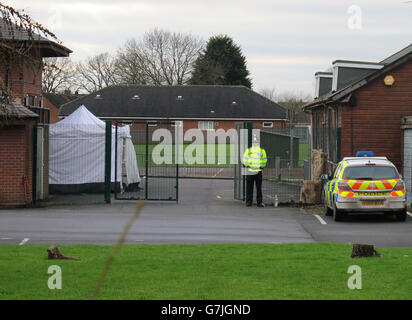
(364, 154)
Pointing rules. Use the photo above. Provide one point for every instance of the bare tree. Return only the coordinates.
(130, 64)
(96, 73)
(293, 101)
(58, 74)
(159, 57)
(269, 93)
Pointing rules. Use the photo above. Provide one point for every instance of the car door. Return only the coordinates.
(331, 185)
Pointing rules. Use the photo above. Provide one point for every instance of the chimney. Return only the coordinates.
(323, 83)
(346, 72)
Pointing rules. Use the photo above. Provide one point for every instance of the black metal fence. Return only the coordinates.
(157, 176)
(283, 175)
(288, 151)
(282, 181)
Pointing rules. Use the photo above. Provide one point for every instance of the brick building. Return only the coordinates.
(359, 106)
(201, 107)
(16, 154)
(24, 132)
(53, 102)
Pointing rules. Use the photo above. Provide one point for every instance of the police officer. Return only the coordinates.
(254, 159)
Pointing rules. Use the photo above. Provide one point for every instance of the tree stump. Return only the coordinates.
(311, 192)
(55, 253)
(364, 250)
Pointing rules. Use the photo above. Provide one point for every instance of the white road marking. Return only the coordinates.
(24, 241)
(320, 219)
(6, 238)
(409, 214)
(218, 173)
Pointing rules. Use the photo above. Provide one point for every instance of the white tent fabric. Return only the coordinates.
(77, 147)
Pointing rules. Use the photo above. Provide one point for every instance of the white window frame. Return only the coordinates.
(267, 122)
(206, 125)
(177, 123)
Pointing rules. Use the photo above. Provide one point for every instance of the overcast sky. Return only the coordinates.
(285, 42)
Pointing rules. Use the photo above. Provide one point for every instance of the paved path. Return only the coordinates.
(206, 213)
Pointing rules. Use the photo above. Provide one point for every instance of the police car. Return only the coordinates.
(365, 184)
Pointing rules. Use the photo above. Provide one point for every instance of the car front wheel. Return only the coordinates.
(328, 211)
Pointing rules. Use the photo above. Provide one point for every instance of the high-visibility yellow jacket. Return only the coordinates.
(254, 159)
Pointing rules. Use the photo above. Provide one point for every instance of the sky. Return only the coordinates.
(284, 42)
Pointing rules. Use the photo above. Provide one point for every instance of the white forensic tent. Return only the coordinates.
(77, 154)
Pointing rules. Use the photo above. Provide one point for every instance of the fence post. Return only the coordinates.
(309, 132)
(277, 167)
(108, 161)
(306, 170)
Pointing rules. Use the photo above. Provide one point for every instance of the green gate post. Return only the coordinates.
(147, 163)
(34, 168)
(249, 134)
(108, 161)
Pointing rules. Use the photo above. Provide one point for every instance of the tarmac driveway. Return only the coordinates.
(206, 213)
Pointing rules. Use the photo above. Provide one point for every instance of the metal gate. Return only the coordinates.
(288, 163)
(38, 163)
(156, 154)
(244, 141)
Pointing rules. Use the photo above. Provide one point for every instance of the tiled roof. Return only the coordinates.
(178, 102)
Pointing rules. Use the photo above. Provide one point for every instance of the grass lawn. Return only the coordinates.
(221, 157)
(227, 271)
(303, 151)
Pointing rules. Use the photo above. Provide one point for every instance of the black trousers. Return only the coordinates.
(250, 181)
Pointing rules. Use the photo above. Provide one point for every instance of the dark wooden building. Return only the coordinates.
(359, 106)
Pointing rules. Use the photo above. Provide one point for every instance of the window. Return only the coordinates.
(177, 123)
(267, 124)
(370, 173)
(152, 123)
(205, 125)
(30, 101)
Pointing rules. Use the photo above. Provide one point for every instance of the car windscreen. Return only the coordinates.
(370, 173)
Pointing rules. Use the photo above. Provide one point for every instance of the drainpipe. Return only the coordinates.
(406, 126)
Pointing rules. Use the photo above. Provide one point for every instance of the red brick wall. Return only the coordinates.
(25, 79)
(15, 162)
(218, 124)
(53, 110)
(377, 117)
(16, 147)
